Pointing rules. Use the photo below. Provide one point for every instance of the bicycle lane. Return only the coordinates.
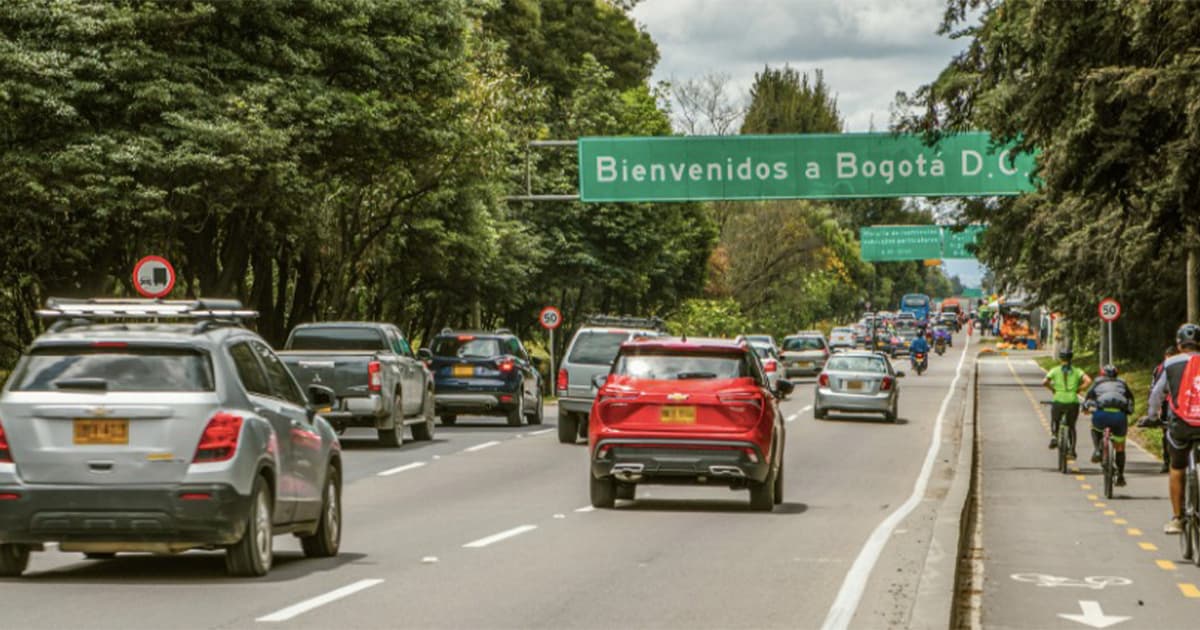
(1056, 553)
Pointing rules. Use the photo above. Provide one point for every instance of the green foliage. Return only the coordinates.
(786, 101)
(709, 318)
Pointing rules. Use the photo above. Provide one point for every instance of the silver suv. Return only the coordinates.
(589, 355)
(162, 437)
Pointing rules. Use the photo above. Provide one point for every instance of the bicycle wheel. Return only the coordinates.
(1187, 543)
(1109, 467)
(1064, 449)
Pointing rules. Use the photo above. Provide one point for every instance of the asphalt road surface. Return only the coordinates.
(490, 527)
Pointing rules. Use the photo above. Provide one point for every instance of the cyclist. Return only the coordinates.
(1110, 402)
(1180, 435)
(1158, 372)
(1065, 382)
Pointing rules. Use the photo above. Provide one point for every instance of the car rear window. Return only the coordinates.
(799, 344)
(671, 366)
(596, 347)
(351, 338)
(856, 364)
(466, 347)
(116, 369)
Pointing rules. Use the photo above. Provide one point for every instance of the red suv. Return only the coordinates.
(690, 411)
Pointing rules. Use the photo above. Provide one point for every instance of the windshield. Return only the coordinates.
(596, 347)
(669, 366)
(466, 347)
(351, 338)
(856, 364)
(117, 369)
(915, 300)
(764, 352)
(800, 344)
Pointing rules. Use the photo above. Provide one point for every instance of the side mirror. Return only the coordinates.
(425, 354)
(899, 373)
(784, 387)
(320, 399)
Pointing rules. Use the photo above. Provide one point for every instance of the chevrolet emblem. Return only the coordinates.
(677, 397)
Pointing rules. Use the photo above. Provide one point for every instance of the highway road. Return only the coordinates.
(490, 527)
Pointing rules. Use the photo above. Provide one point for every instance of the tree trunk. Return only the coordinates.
(1193, 294)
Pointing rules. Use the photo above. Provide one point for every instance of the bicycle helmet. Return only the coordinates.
(1109, 370)
(1066, 355)
(1188, 333)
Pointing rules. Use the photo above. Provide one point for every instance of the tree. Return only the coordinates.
(704, 106)
(783, 100)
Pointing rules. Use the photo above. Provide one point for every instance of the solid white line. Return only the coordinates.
(542, 432)
(480, 447)
(848, 597)
(586, 508)
(320, 600)
(495, 538)
(399, 469)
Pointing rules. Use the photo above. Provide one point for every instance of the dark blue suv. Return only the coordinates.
(482, 373)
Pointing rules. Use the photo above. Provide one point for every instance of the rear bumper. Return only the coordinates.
(828, 399)
(576, 405)
(140, 514)
(475, 402)
(803, 371)
(675, 460)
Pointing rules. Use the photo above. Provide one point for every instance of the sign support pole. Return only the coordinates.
(1111, 358)
(553, 371)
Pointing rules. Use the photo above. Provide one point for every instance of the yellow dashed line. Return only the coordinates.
(1080, 477)
(1165, 565)
(1148, 546)
(1189, 590)
(1100, 504)
(1085, 486)
(1110, 512)
(1133, 531)
(1093, 497)
(1075, 470)
(1120, 521)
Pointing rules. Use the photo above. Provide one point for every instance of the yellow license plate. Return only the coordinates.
(856, 385)
(107, 431)
(464, 371)
(678, 415)
(805, 364)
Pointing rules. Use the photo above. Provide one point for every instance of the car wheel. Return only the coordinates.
(99, 555)
(324, 542)
(762, 494)
(14, 559)
(626, 491)
(819, 413)
(517, 413)
(394, 437)
(603, 491)
(890, 415)
(253, 554)
(423, 431)
(536, 417)
(568, 427)
(449, 420)
(779, 481)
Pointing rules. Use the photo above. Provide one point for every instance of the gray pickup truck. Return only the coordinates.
(378, 381)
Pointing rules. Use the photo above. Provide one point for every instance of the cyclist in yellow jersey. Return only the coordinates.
(1065, 382)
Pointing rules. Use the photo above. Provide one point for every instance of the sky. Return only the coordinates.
(868, 50)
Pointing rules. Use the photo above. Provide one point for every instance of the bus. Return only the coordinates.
(951, 305)
(917, 304)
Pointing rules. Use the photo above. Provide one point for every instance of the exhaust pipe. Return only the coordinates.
(726, 471)
(628, 472)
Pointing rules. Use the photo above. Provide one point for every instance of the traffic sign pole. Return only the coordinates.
(551, 318)
(1109, 310)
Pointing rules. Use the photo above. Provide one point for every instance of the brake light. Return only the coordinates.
(823, 380)
(741, 398)
(5, 454)
(374, 376)
(617, 393)
(195, 496)
(220, 439)
(9, 496)
(562, 381)
(109, 344)
(886, 385)
(769, 366)
(466, 337)
(505, 365)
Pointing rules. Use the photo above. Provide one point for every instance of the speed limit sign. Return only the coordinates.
(550, 318)
(1110, 310)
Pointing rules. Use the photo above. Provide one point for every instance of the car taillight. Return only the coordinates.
(562, 380)
(220, 438)
(770, 366)
(823, 380)
(505, 365)
(5, 454)
(613, 393)
(374, 376)
(886, 385)
(741, 398)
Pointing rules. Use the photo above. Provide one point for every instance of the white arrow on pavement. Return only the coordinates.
(1093, 616)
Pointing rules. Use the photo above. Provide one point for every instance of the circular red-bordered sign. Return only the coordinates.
(153, 277)
(1109, 309)
(550, 318)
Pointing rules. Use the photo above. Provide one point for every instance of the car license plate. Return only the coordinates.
(678, 415)
(855, 385)
(464, 371)
(90, 431)
(807, 365)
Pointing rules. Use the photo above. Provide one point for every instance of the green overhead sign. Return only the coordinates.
(800, 166)
(916, 242)
(972, 293)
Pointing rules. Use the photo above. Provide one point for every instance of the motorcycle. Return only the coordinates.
(920, 362)
(939, 346)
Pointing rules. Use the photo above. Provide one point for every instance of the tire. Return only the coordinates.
(626, 491)
(603, 491)
(423, 431)
(1187, 545)
(538, 414)
(1110, 470)
(568, 427)
(819, 413)
(1063, 450)
(99, 555)
(394, 437)
(449, 420)
(779, 483)
(1195, 544)
(325, 542)
(517, 413)
(253, 555)
(762, 495)
(14, 559)
(891, 415)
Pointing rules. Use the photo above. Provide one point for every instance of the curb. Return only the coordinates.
(947, 574)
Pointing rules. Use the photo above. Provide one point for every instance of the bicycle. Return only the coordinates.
(1189, 538)
(1065, 446)
(1108, 462)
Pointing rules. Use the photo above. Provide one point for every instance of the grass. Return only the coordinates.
(1138, 378)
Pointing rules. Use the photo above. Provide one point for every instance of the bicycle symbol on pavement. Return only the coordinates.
(1094, 582)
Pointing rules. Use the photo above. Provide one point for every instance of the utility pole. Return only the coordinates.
(1193, 298)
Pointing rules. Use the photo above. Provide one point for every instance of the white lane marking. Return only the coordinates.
(1093, 615)
(495, 538)
(850, 594)
(792, 417)
(320, 600)
(542, 432)
(586, 508)
(806, 409)
(399, 469)
(480, 447)
(429, 560)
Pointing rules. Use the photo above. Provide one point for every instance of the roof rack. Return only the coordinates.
(67, 312)
(628, 321)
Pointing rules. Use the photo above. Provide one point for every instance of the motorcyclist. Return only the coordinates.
(1065, 382)
(1180, 435)
(919, 346)
(1110, 401)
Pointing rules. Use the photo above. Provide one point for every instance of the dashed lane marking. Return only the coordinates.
(792, 417)
(1133, 531)
(1148, 546)
(1165, 565)
(586, 508)
(542, 432)
(1080, 477)
(1110, 512)
(1120, 521)
(806, 409)
(1100, 504)
(495, 538)
(399, 469)
(316, 602)
(1189, 590)
(480, 447)
(1093, 497)
(1085, 486)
